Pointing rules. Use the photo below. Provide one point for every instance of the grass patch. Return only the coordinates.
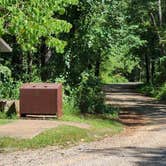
(100, 127)
(96, 121)
(61, 136)
(65, 136)
(5, 121)
(5, 116)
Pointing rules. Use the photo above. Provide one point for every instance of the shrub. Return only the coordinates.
(160, 76)
(162, 93)
(107, 79)
(148, 90)
(4, 115)
(69, 101)
(151, 90)
(90, 98)
(5, 74)
(9, 89)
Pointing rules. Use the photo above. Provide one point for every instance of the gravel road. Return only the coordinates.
(143, 142)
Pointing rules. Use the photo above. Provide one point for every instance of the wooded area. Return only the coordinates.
(83, 44)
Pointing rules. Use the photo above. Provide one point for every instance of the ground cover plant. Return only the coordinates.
(159, 92)
(65, 136)
(84, 42)
(5, 121)
(101, 125)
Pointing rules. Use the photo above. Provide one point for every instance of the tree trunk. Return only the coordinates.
(147, 68)
(152, 70)
(160, 13)
(46, 54)
(97, 69)
(30, 62)
(157, 29)
(97, 66)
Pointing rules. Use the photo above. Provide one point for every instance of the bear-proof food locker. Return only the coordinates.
(41, 99)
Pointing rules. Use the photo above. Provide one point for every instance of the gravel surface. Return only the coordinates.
(142, 143)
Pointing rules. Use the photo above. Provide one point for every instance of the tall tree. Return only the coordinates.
(28, 22)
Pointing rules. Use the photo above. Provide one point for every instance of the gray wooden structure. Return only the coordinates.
(4, 47)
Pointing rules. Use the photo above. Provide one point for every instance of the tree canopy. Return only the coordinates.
(83, 43)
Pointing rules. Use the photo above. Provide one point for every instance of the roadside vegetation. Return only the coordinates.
(82, 44)
(101, 125)
(159, 92)
(65, 136)
(5, 121)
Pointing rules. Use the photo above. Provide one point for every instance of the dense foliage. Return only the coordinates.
(83, 43)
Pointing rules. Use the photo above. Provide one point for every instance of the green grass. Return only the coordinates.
(100, 127)
(3, 116)
(64, 136)
(61, 136)
(5, 121)
(96, 121)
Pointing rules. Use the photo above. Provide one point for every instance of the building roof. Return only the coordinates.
(4, 47)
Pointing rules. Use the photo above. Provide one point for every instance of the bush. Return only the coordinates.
(151, 90)
(5, 74)
(148, 90)
(107, 79)
(160, 76)
(3, 115)
(162, 93)
(90, 98)
(9, 89)
(69, 101)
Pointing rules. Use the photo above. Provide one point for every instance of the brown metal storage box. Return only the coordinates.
(41, 99)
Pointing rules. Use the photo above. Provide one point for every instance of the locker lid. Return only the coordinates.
(41, 86)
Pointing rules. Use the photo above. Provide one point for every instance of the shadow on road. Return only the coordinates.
(135, 107)
(137, 110)
(143, 156)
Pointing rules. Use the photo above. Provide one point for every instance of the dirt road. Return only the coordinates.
(143, 143)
